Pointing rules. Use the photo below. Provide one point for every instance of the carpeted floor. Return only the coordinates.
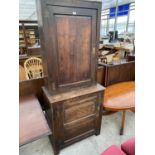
(93, 145)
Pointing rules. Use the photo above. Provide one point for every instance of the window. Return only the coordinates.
(131, 28)
(104, 27)
(131, 24)
(123, 24)
(122, 10)
(132, 16)
(104, 22)
(111, 24)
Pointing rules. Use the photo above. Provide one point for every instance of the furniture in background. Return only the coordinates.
(114, 73)
(32, 86)
(33, 68)
(113, 150)
(22, 75)
(29, 42)
(118, 46)
(32, 122)
(71, 93)
(114, 53)
(127, 148)
(131, 57)
(24, 58)
(120, 97)
(100, 74)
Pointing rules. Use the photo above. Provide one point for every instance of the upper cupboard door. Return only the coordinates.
(74, 40)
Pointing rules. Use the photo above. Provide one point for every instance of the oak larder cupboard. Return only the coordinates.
(69, 33)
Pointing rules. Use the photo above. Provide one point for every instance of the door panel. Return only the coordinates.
(73, 130)
(73, 45)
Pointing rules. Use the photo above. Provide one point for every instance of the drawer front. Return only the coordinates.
(74, 129)
(80, 100)
(80, 108)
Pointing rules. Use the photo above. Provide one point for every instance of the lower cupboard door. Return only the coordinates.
(80, 127)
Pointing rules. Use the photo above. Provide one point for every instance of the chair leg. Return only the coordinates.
(123, 122)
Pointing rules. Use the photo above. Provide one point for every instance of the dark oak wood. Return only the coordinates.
(118, 73)
(32, 86)
(32, 123)
(69, 51)
(34, 51)
(100, 74)
(74, 37)
(69, 33)
(28, 21)
(131, 57)
(74, 115)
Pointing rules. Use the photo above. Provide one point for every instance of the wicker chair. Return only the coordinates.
(33, 68)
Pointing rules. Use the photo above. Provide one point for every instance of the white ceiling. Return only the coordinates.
(27, 8)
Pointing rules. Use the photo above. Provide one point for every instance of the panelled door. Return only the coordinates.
(71, 45)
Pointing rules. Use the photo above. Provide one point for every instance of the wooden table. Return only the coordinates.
(120, 96)
(32, 122)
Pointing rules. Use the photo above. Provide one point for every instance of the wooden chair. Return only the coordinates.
(22, 75)
(120, 97)
(33, 68)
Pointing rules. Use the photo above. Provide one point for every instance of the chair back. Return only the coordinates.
(33, 68)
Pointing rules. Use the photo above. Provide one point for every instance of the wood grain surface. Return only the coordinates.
(120, 96)
(74, 93)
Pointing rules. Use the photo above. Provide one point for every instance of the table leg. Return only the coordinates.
(123, 122)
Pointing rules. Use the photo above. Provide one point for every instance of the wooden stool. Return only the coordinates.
(120, 97)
